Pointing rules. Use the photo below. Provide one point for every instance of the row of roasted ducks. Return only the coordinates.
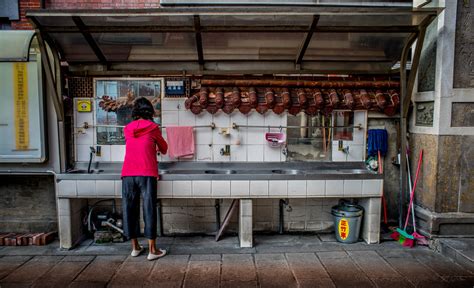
(309, 100)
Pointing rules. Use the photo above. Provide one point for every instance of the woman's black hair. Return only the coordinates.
(143, 109)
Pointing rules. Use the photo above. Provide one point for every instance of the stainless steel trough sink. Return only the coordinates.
(180, 171)
(354, 171)
(198, 171)
(220, 171)
(82, 171)
(288, 171)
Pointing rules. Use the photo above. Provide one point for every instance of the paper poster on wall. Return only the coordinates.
(21, 113)
(20, 96)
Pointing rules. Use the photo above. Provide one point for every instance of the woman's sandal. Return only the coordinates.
(136, 253)
(155, 256)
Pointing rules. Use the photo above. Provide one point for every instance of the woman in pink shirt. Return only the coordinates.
(139, 176)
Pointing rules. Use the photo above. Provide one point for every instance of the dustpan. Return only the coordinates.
(275, 139)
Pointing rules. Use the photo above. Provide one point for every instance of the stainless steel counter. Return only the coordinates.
(176, 171)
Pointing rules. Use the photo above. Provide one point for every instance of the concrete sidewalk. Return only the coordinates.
(275, 261)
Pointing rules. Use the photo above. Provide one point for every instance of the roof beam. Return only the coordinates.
(197, 33)
(90, 40)
(223, 29)
(239, 10)
(307, 39)
(47, 38)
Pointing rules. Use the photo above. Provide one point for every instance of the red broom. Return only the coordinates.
(400, 235)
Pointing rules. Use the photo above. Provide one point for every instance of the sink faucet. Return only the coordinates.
(341, 147)
(92, 152)
(345, 150)
(225, 151)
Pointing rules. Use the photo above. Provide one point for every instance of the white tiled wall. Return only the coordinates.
(84, 138)
(231, 188)
(358, 143)
(247, 144)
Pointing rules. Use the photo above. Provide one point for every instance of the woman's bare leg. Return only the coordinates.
(135, 245)
(152, 247)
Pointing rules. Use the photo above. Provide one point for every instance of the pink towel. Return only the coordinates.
(180, 141)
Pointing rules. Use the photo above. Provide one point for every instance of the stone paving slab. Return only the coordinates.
(238, 268)
(202, 274)
(31, 271)
(372, 264)
(131, 273)
(168, 271)
(60, 275)
(306, 266)
(310, 283)
(87, 284)
(274, 271)
(9, 263)
(414, 271)
(343, 271)
(441, 265)
(239, 284)
(107, 265)
(294, 261)
(391, 282)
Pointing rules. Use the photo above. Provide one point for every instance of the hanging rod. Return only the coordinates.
(237, 126)
(86, 125)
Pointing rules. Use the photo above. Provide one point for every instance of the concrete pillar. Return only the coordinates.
(245, 223)
(441, 124)
(371, 221)
(70, 222)
(64, 223)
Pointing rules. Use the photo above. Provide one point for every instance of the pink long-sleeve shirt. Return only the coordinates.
(143, 140)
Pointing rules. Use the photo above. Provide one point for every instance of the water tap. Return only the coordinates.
(345, 150)
(284, 151)
(225, 151)
(92, 152)
(341, 147)
(97, 151)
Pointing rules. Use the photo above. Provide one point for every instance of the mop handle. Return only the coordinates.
(414, 187)
(411, 186)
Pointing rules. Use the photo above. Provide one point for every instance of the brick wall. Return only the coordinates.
(81, 87)
(25, 5)
(102, 4)
(27, 204)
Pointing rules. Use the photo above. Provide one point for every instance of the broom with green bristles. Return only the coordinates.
(401, 235)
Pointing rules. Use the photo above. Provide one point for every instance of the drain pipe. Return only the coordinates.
(281, 222)
(217, 205)
(160, 218)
